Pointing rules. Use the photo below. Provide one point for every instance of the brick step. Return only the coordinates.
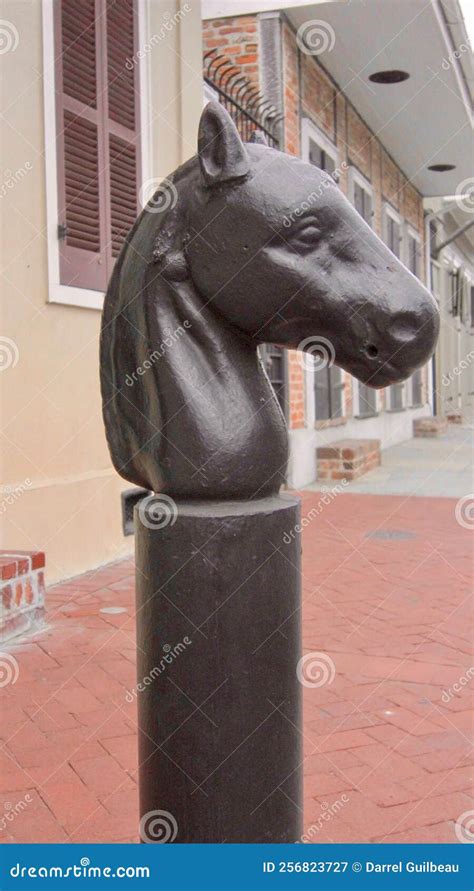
(347, 458)
(430, 427)
(21, 592)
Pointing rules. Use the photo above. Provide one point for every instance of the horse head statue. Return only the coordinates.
(243, 245)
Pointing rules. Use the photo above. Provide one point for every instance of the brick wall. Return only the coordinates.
(309, 91)
(237, 39)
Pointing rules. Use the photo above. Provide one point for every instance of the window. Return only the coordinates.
(97, 136)
(274, 361)
(392, 232)
(413, 253)
(397, 397)
(361, 195)
(455, 291)
(433, 236)
(363, 203)
(317, 149)
(328, 393)
(392, 237)
(367, 401)
(320, 158)
(416, 388)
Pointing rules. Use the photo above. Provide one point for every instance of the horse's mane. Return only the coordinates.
(178, 381)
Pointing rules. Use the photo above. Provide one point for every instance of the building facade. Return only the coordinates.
(323, 126)
(450, 248)
(103, 102)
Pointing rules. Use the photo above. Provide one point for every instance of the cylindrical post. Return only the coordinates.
(219, 702)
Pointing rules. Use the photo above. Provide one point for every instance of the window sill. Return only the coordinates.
(396, 411)
(81, 297)
(362, 417)
(330, 422)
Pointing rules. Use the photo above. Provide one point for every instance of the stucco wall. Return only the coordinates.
(60, 493)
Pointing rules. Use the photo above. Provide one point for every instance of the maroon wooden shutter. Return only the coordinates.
(122, 120)
(97, 135)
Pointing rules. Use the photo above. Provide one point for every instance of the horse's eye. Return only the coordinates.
(307, 236)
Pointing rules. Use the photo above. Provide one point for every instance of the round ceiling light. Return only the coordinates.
(441, 168)
(393, 76)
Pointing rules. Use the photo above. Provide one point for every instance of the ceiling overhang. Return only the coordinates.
(421, 121)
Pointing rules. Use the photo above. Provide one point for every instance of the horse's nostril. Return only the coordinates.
(372, 351)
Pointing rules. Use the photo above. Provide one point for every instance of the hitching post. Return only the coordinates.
(240, 246)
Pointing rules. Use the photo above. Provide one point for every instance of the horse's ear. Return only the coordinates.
(222, 154)
(258, 138)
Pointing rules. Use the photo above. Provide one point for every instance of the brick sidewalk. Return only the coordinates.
(387, 744)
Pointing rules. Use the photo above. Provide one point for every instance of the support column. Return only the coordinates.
(218, 625)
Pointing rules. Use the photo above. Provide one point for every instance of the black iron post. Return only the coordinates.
(218, 610)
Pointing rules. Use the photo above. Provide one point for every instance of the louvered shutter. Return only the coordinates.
(122, 121)
(97, 137)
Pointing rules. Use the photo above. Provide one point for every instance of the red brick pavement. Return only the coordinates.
(388, 750)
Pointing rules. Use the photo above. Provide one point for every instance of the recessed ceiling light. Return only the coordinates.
(441, 168)
(393, 76)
